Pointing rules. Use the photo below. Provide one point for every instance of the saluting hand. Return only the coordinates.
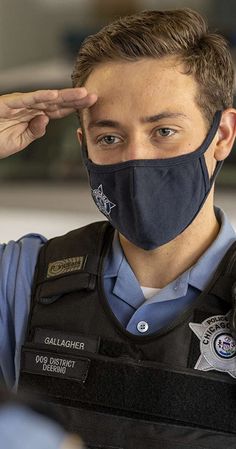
(24, 116)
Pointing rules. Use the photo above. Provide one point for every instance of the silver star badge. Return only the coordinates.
(217, 346)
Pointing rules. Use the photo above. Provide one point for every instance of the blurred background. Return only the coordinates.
(44, 188)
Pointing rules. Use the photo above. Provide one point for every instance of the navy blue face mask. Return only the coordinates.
(151, 201)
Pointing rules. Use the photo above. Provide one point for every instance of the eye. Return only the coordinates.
(166, 132)
(109, 140)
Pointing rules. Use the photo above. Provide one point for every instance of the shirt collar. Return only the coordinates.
(126, 284)
(127, 287)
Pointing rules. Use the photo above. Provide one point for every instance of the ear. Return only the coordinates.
(80, 135)
(226, 134)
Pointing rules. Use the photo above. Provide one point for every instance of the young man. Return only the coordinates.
(130, 333)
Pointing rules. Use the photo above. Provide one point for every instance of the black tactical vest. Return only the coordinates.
(175, 389)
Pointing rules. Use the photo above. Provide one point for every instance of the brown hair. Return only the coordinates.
(183, 33)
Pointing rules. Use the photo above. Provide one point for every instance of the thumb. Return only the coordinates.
(37, 127)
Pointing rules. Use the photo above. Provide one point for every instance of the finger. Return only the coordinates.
(23, 115)
(86, 102)
(41, 98)
(71, 94)
(77, 102)
(72, 442)
(52, 104)
(63, 112)
(82, 103)
(22, 100)
(37, 127)
(60, 113)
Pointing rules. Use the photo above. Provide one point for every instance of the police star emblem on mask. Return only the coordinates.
(217, 346)
(102, 202)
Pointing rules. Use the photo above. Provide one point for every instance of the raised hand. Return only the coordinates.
(24, 116)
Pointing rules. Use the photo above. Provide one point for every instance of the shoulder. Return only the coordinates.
(17, 265)
(20, 255)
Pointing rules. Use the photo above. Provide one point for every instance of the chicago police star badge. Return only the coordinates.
(217, 346)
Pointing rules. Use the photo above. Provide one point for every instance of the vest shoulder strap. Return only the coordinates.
(225, 275)
(231, 273)
(224, 283)
(70, 262)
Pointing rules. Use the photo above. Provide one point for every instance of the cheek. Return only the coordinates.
(100, 159)
(93, 154)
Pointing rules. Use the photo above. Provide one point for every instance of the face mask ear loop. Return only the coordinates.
(219, 164)
(84, 151)
(216, 171)
(209, 181)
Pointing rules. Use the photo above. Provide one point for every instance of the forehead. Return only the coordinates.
(145, 86)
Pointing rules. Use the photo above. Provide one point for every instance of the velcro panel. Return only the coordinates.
(133, 389)
(106, 431)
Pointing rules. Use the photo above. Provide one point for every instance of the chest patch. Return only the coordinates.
(217, 346)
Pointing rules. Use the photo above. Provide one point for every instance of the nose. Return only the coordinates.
(133, 151)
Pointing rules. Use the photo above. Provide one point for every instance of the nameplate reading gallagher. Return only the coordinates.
(65, 341)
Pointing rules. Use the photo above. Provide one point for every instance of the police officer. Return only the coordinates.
(132, 320)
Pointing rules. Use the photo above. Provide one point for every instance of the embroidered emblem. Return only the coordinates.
(102, 202)
(65, 266)
(217, 346)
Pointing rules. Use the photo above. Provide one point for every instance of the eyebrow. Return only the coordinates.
(150, 119)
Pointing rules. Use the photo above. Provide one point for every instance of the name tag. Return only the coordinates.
(66, 341)
(51, 364)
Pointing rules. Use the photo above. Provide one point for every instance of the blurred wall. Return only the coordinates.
(32, 30)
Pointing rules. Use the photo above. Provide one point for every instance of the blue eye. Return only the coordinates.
(166, 132)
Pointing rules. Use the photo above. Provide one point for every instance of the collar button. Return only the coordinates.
(142, 326)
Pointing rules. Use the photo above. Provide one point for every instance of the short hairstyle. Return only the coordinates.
(182, 33)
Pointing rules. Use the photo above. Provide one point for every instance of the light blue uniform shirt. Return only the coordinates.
(21, 428)
(17, 264)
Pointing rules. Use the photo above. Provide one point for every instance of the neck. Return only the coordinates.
(159, 267)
